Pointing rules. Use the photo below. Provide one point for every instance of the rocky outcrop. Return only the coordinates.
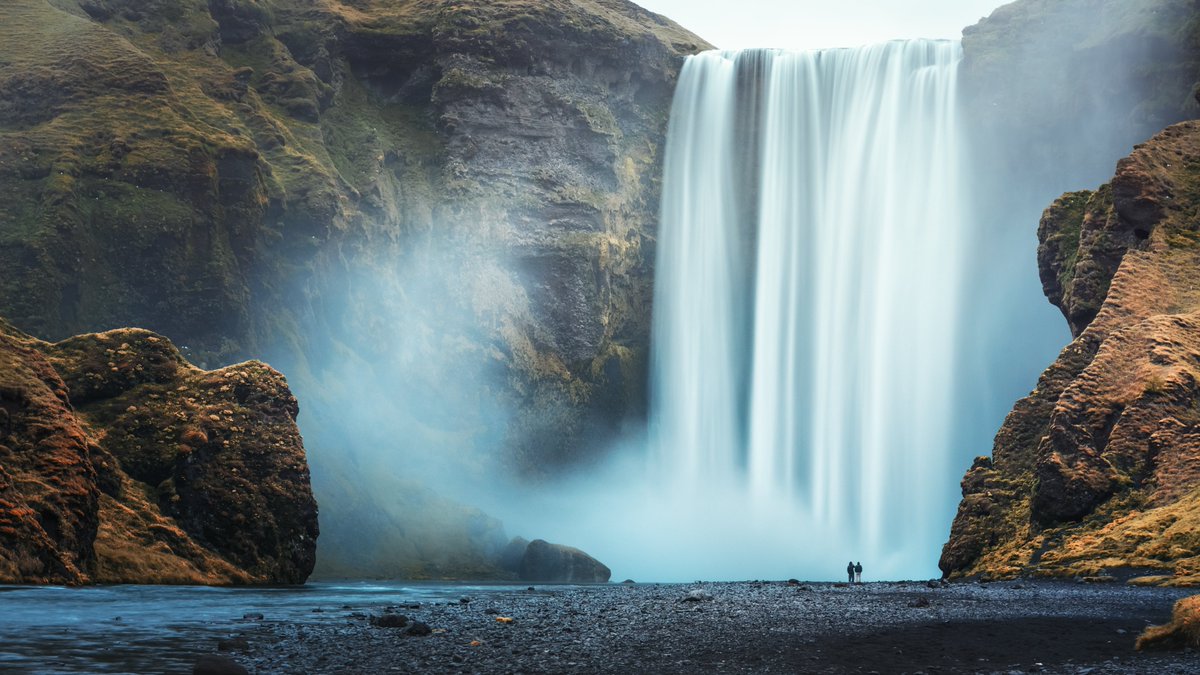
(555, 563)
(122, 463)
(1183, 632)
(1098, 469)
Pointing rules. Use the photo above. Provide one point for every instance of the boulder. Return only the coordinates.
(1183, 632)
(544, 561)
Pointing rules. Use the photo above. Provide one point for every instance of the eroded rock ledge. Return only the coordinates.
(1097, 471)
(122, 463)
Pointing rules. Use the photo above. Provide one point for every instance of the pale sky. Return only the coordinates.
(812, 24)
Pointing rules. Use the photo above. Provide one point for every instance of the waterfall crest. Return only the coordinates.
(809, 258)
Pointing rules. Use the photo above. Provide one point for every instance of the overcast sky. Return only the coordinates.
(811, 24)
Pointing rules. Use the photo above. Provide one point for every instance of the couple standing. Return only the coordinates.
(854, 572)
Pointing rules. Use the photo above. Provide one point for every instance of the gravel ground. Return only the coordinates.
(735, 628)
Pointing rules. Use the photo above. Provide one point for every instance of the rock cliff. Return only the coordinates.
(369, 194)
(122, 463)
(215, 171)
(1097, 471)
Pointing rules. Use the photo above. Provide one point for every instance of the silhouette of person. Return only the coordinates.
(858, 573)
(850, 572)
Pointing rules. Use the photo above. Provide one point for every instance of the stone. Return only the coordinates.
(419, 629)
(548, 562)
(388, 620)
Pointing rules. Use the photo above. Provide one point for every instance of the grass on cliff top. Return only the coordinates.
(481, 18)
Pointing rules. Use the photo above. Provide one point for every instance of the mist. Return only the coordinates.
(419, 427)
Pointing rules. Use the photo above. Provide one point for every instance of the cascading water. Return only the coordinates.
(806, 297)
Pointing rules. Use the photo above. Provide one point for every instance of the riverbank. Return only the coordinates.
(326, 627)
(741, 627)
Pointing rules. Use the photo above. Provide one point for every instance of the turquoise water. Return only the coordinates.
(162, 629)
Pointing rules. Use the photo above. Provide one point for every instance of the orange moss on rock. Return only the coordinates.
(1183, 632)
(1098, 469)
(108, 491)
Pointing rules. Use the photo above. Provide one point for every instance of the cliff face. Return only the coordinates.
(1099, 468)
(220, 172)
(1064, 87)
(122, 463)
(458, 199)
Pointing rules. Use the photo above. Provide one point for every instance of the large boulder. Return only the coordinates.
(556, 563)
(120, 462)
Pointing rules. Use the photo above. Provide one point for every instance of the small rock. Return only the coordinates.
(491, 610)
(696, 595)
(211, 664)
(919, 602)
(252, 616)
(237, 644)
(793, 582)
(390, 621)
(464, 600)
(933, 583)
(419, 629)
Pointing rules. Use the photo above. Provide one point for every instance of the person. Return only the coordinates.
(858, 573)
(850, 572)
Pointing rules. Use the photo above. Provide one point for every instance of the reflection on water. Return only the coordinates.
(162, 629)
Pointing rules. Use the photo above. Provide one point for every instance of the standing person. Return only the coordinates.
(850, 572)
(858, 573)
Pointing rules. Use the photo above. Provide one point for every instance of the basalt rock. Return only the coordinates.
(1099, 467)
(122, 463)
(556, 563)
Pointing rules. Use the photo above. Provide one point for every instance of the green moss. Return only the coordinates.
(360, 133)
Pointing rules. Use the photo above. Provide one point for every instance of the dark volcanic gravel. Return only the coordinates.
(742, 627)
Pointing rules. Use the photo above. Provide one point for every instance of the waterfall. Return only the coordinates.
(809, 258)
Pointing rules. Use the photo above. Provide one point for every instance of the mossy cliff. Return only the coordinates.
(270, 178)
(1098, 469)
(122, 463)
(1064, 87)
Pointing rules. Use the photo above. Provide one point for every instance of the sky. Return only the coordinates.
(813, 24)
